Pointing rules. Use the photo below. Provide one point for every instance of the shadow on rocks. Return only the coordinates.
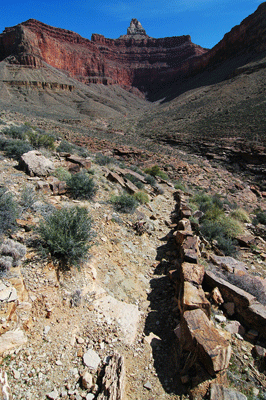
(162, 320)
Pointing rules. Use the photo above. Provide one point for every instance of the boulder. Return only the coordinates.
(193, 298)
(228, 263)
(35, 164)
(200, 336)
(83, 162)
(220, 392)
(190, 249)
(11, 340)
(193, 273)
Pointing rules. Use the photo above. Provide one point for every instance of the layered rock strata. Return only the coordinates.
(134, 59)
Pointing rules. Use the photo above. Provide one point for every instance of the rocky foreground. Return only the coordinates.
(156, 311)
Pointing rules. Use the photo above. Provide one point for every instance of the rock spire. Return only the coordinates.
(136, 29)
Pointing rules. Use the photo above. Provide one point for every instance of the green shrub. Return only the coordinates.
(180, 186)
(62, 174)
(15, 148)
(66, 234)
(67, 147)
(101, 159)
(260, 217)
(135, 180)
(27, 198)
(150, 180)
(9, 211)
(124, 203)
(240, 215)
(16, 132)
(81, 186)
(38, 140)
(232, 228)
(141, 197)
(155, 171)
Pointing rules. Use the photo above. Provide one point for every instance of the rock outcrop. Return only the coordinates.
(134, 59)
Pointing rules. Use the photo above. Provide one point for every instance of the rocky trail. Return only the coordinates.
(64, 327)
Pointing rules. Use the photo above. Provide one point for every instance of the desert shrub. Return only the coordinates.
(16, 132)
(38, 140)
(62, 174)
(155, 171)
(9, 211)
(67, 147)
(27, 198)
(150, 180)
(13, 249)
(15, 148)
(135, 180)
(141, 197)
(5, 264)
(231, 227)
(81, 186)
(180, 186)
(124, 203)
(66, 234)
(101, 159)
(260, 217)
(203, 201)
(240, 215)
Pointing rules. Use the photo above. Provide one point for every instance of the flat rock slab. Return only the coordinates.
(230, 292)
(83, 162)
(219, 392)
(125, 315)
(200, 336)
(7, 293)
(11, 340)
(230, 264)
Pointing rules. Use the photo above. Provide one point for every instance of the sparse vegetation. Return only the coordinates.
(240, 215)
(15, 148)
(67, 147)
(156, 171)
(66, 234)
(135, 180)
(11, 253)
(9, 211)
(260, 217)
(124, 203)
(180, 186)
(27, 198)
(102, 159)
(62, 174)
(141, 197)
(81, 186)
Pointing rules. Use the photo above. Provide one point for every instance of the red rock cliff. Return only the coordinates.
(134, 59)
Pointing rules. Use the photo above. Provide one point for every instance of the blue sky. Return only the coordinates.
(205, 20)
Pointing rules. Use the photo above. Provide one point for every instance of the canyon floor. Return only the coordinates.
(121, 300)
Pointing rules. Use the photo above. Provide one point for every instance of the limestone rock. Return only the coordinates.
(35, 164)
(11, 340)
(91, 359)
(135, 29)
(86, 380)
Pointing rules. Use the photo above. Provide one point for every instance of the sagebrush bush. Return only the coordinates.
(142, 197)
(101, 159)
(260, 217)
(135, 180)
(9, 211)
(240, 215)
(180, 186)
(5, 264)
(81, 186)
(150, 180)
(156, 171)
(15, 148)
(67, 147)
(27, 198)
(38, 140)
(13, 249)
(62, 174)
(16, 132)
(66, 234)
(124, 203)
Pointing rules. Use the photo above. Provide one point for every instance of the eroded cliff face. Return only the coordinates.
(134, 59)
